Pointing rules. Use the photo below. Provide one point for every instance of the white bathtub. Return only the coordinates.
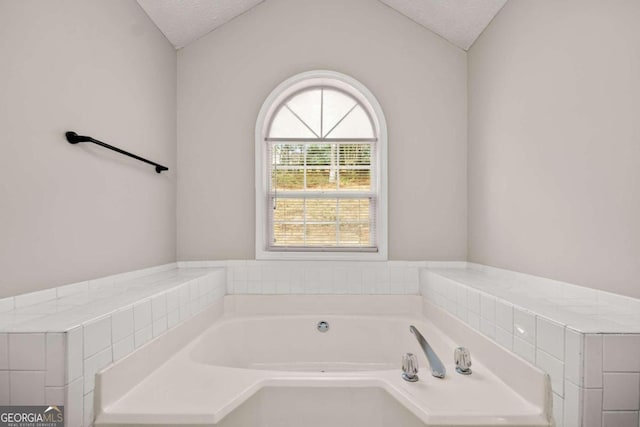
(254, 368)
(293, 343)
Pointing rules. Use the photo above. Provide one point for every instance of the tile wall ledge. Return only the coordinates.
(582, 309)
(63, 308)
(230, 263)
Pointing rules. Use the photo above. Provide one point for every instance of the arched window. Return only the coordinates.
(320, 152)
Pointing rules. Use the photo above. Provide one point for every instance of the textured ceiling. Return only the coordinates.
(184, 21)
(459, 21)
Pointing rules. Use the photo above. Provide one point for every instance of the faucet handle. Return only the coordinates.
(410, 367)
(462, 358)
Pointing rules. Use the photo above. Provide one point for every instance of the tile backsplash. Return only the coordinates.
(52, 356)
(595, 375)
(321, 277)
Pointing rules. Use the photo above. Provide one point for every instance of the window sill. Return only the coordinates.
(321, 256)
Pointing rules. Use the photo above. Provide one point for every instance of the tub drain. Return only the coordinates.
(323, 326)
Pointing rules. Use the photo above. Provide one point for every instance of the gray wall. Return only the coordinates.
(71, 213)
(419, 79)
(554, 142)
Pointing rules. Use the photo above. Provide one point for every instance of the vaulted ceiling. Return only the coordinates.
(459, 21)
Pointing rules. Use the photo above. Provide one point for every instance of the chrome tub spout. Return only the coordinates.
(437, 368)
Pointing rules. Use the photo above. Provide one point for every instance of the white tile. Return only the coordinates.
(572, 405)
(121, 324)
(573, 356)
(56, 355)
(524, 350)
(524, 326)
(73, 289)
(142, 314)
(73, 403)
(553, 367)
(173, 300)
(101, 284)
(93, 365)
(558, 410)
(621, 391)
(88, 409)
(269, 288)
(33, 298)
(474, 320)
(4, 388)
(74, 354)
(184, 294)
(488, 308)
(27, 387)
(4, 352)
(592, 407)
(185, 311)
(123, 348)
(239, 288)
(437, 299)
(254, 272)
(504, 338)
(488, 328)
(451, 291)
(462, 313)
(592, 361)
(159, 306)
(451, 306)
(473, 301)
(143, 336)
(159, 326)
(54, 395)
(461, 297)
(97, 336)
(619, 419)
(550, 337)
(504, 316)
(621, 353)
(27, 352)
(7, 304)
(173, 318)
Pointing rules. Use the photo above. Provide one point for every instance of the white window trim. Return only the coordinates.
(275, 98)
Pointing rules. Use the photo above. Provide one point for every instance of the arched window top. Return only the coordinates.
(322, 112)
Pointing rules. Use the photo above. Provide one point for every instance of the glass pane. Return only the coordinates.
(288, 234)
(355, 125)
(321, 235)
(307, 106)
(287, 180)
(355, 154)
(286, 125)
(336, 105)
(354, 210)
(321, 210)
(322, 179)
(287, 168)
(289, 210)
(288, 155)
(354, 235)
(321, 154)
(355, 179)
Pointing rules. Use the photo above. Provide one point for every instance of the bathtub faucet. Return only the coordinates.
(437, 368)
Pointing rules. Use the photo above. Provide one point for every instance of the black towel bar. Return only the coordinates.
(74, 138)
